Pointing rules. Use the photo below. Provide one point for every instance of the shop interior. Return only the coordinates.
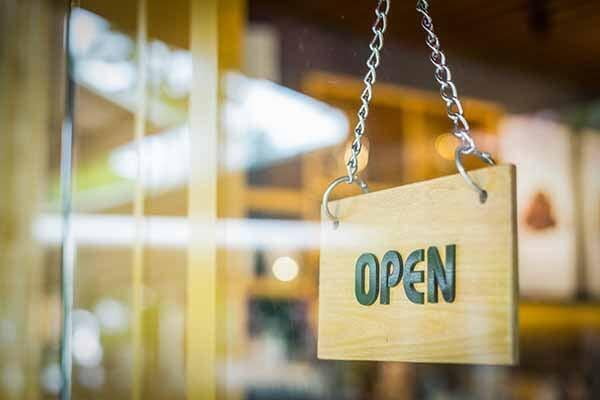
(288, 77)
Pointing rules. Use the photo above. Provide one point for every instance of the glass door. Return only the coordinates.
(160, 212)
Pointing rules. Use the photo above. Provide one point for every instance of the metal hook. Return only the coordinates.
(342, 179)
(484, 156)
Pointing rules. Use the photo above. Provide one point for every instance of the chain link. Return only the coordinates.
(373, 61)
(448, 93)
(443, 76)
(454, 107)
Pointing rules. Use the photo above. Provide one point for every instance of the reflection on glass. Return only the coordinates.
(285, 269)
(289, 92)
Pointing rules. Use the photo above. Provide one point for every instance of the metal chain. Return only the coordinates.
(453, 105)
(448, 93)
(373, 61)
(444, 78)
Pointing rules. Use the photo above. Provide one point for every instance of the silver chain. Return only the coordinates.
(448, 93)
(444, 78)
(373, 61)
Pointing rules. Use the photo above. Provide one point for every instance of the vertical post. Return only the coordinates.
(231, 186)
(67, 254)
(201, 278)
(138, 203)
(27, 110)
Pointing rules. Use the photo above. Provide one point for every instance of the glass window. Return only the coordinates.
(203, 136)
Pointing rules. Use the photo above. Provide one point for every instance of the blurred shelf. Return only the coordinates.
(560, 319)
(274, 200)
(272, 288)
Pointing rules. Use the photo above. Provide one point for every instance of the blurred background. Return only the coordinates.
(205, 134)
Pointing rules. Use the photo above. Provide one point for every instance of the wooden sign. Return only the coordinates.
(423, 273)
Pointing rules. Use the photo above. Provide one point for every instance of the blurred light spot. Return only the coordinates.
(114, 47)
(87, 350)
(158, 58)
(107, 76)
(363, 157)
(86, 27)
(169, 152)
(179, 73)
(112, 315)
(50, 378)
(274, 122)
(285, 269)
(266, 123)
(445, 145)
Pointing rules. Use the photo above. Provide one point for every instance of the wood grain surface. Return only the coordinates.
(479, 326)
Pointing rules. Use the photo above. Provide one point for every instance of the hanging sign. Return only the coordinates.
(422, 273)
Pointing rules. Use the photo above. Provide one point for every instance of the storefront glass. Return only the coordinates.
(204, 135)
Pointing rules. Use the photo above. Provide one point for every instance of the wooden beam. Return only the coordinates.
(201, 312)
(137, 262)
(275, 200)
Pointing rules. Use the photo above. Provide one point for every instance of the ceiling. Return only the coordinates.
(554, 38)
